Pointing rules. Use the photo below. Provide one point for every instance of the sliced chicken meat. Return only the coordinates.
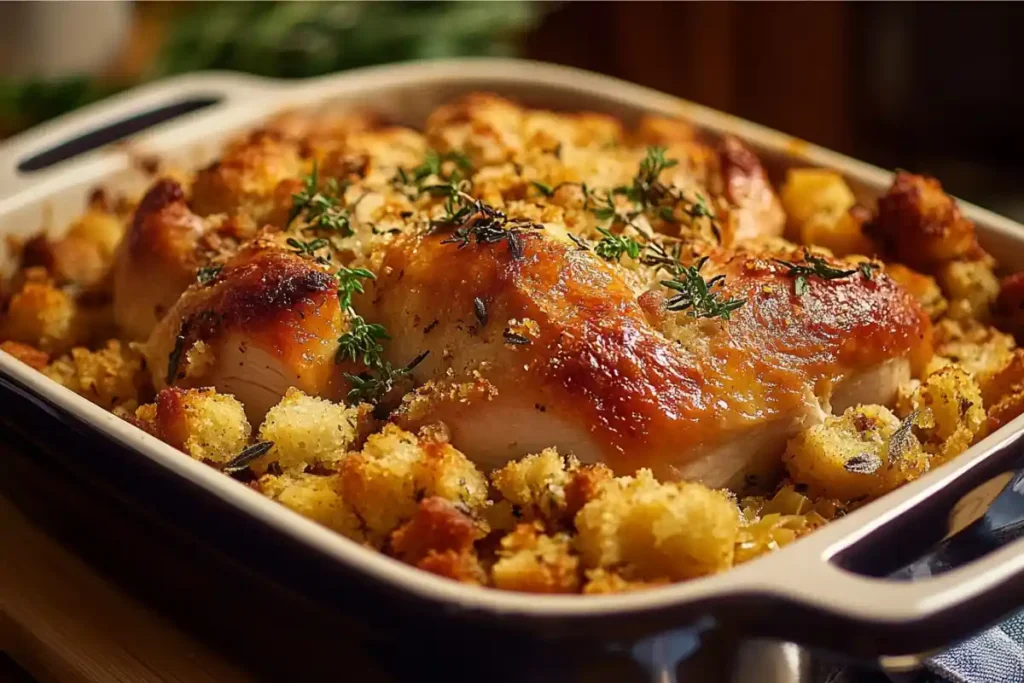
(268, 321)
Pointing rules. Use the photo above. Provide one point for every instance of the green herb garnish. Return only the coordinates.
(816, 266)
(362, 342)
(373, 385)
(612, 247)
(580, 243)
(863, 463)
(323, 209)
(174, 359)
(350, 282)
(484, 224)
(249, 454)
(543, 188)
(308, 249)
(697, 296)
(899, 442)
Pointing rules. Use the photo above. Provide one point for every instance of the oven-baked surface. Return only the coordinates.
(527, 349)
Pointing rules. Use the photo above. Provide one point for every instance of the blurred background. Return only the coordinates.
(927, 87)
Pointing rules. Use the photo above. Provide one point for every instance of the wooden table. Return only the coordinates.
(62, 622)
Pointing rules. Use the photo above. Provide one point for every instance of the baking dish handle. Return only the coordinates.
(25, 157)
(885, 616)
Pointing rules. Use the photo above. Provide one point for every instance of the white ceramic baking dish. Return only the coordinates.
(808, 592)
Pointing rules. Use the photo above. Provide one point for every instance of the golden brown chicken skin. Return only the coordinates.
(268, 321)
(560, 351)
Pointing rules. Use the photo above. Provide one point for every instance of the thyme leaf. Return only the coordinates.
(580, 243)
(350, 283)
(361, 342)
(863, 463)
(514, 338)
(480, 311)
(816, 266)
(697, 296)
(308, 249)
(543, 188)
(174, 358)
(323, 209)
(247, 456)
(612, 247)
(899, 442)
(373, 385)
(483, 224)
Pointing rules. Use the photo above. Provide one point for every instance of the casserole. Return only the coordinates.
(809, 592)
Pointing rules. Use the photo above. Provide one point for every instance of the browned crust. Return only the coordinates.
(29, 355)
(920, 225)
(598, 361)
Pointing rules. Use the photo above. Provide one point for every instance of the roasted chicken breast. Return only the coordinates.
(268, 321)
(551, 346)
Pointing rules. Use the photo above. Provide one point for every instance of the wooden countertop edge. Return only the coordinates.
(63, 623)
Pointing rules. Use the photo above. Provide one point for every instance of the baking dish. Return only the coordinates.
(821, 591)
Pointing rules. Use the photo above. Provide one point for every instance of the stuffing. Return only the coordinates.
(208, 426)
(42, 315)
(603, 581)
(863, 453)
(307, 431)
(808, 192)
(385, 481)
(439, 538)
(246, 177)
(980, 350)
(821, 211)
(584, 485)
(948, 411)
(535, 484)
(110, 377)
(654, 530)
(920, 225)
(770, 523)
(29, 355)
(100, 227)
(314, 496)
(842, 235)
(84, 253)
(923, 287)
(544, 486)
(70, 260)
(1003, 394)
(971, 287)
(533, 562)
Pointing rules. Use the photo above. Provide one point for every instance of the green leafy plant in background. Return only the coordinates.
(292, 40)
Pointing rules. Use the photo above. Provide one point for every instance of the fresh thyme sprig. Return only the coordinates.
(697, 296)
(411, 182)
(482, 223)
(362, 342)
(372, 385)
(646, 188)
(612, 247)
(308, 249)
(350, 282)
(249, 454)
(323, 209)
(816, 266)
(543, 188)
